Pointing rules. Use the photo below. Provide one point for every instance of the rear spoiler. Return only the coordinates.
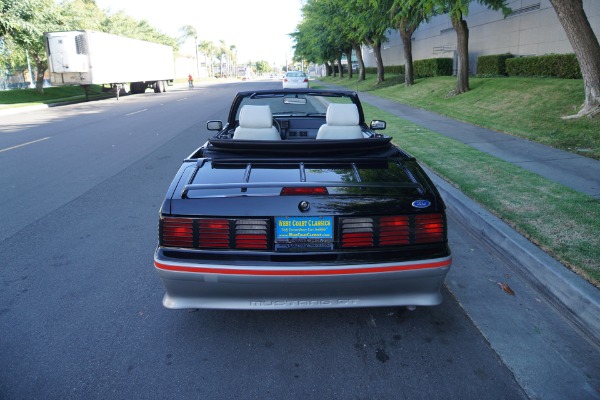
(243, 186)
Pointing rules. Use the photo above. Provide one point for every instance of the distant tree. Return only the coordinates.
(262, 67)
(407, 15)
(585, 45)
(209, 50)
(316, 37)
(123, 25)
(458, 9)
(22, 25)
(81, 14)
(234, 60)
(189, 32)
(373, 22)
(17, 17)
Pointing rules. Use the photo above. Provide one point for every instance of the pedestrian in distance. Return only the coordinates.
(190, 81)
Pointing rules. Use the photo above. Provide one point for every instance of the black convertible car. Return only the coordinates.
(297, 203)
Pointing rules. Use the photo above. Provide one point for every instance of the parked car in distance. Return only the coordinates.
(295, 80)
(296, 202)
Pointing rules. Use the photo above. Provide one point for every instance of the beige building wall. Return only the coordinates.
(532, 29)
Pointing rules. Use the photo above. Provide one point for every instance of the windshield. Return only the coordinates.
(294, 104)
(295, 74)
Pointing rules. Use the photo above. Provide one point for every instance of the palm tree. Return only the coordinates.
(187, 32)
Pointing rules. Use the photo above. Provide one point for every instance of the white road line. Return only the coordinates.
(24, 144)
(136, 112)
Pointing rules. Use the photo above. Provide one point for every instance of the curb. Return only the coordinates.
(577, 299)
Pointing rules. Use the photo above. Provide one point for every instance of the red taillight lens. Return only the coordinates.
(176, 232)
(213, 233)
(357, 232)
(305, 80)
(394, 231)
(429, 228)
(290, 191)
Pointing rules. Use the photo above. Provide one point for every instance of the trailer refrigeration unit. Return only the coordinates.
(87, 57)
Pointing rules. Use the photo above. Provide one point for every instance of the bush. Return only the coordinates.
(493, 64)
(563, 66)
(387, 69)
(394, 69)
(433, 67)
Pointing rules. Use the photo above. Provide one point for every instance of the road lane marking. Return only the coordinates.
(24, 144)
(137, 112)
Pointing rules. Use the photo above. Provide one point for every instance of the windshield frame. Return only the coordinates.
(316, 103)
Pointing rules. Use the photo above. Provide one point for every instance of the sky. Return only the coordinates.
(258, 28)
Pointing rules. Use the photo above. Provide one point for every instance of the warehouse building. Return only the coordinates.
(531, 29)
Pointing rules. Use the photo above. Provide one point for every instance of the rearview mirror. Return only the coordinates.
(294, 100)
(378, 125)
(214, 125)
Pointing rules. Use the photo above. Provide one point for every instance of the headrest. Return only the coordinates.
(256, 117)
(342, 114)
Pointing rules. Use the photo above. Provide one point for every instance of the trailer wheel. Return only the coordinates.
(137, 87)
(157, 88)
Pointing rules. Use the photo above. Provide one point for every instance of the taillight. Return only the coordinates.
(290, 191)
(176, 232)
(305, 80)
(357, 232)
(429, 228)
(251, 234)
(397, 230)
(213, 233)
(394, 231)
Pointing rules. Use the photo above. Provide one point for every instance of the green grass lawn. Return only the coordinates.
(530, 108)
(28, 97)
(563, 222)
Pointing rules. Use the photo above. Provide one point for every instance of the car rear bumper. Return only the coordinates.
(270, 287)
(302, 85)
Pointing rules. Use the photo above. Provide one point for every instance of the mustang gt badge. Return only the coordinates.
(421, 203)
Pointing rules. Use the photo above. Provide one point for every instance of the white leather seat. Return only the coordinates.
(341, 123)
(256, 123)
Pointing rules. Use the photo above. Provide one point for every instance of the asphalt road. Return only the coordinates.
(80, 303)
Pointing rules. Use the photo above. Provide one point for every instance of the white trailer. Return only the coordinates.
(87, 57)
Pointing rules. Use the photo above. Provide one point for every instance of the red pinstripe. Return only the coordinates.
(303, 272)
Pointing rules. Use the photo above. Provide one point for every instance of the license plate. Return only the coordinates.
(304, 233)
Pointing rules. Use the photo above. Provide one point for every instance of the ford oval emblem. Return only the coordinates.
(421, 203)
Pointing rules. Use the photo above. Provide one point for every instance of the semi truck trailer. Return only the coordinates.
(85, 57)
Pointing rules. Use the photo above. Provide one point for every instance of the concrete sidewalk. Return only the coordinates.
(571, 170)
(576, 298)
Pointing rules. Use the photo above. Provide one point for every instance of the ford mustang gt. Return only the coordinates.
(296, 202)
